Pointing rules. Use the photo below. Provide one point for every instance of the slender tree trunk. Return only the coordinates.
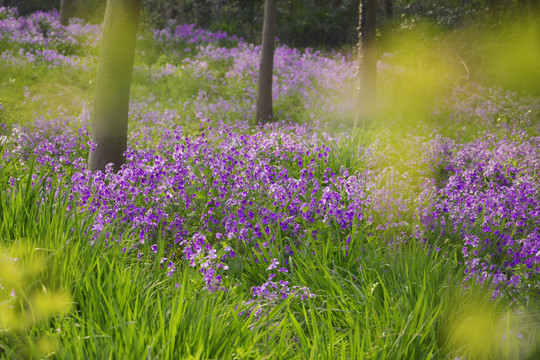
(264, 95)
(65, 11)
(181, 17)
(367, 95)
(252, 21)
(389, 7)
(168, 11)
(111, 102)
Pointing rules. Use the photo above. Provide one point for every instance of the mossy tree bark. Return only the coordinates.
(367, 94)
(111, 102)
(264, 112)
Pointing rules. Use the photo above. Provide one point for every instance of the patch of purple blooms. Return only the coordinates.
(189, 34)
(221, 182)
(40, 39)
(489, 197)
(271, 293)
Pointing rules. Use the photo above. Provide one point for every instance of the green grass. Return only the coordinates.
(377, 302)
(35, 91)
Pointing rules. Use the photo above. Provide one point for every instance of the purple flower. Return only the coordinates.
(273, 265)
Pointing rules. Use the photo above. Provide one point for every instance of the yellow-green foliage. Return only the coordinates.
(25, 301)
(477, 327)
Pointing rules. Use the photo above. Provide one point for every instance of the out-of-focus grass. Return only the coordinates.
(30, 92)
(476, 327)
(30, 287)
(373, 301)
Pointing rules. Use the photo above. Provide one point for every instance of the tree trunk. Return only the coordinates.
(168, 11)
(65, 12)
(491, 6)
(264, 94)
(111, 102)
(181, 17)
(389, 7)
(252, 22)
(367, 71)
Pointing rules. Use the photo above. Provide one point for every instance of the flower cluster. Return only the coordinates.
(489, 198)
(39, 38)
(189, 34)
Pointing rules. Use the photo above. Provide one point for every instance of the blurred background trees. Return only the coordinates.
(333, 25)
(301, 23)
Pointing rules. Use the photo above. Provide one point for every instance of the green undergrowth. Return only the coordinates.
(27, 93)
(372, 300)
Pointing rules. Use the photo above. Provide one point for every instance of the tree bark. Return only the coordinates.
(252, 22)
(65, 11)
(111, 102)
(264, 111)
(389, 7)
(181, 17)
(367, 95)
(491, 6)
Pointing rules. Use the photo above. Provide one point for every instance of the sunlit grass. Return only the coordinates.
(373, 302)
(30, 93)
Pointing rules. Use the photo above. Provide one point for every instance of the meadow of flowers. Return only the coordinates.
(222, 239)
